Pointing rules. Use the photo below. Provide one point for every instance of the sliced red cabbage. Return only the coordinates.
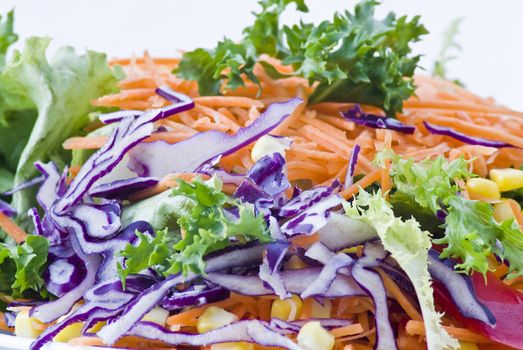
(6, 209)
(9, 319)
(296, 282)
(108, 118)
(160, 158)
(471, 140)
(37, 221)
(306, 199)
(122, 189)
(270, 268)
(295, 326)
(252, 331)
(371, 282)
(249, 254)
(358, 116)
(313, 218)
(342, 232)
(328, 274)
(48, 190)
(353, 160)
(195, 297)
(129, 133)
(460, 289)
(52, 310)
(98, 220)
(30, 183)
(64, 274)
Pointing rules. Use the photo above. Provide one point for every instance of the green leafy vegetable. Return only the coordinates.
(43, 103)
(409, 246)
(353, 58)
(21, 267)
(470, 231)
(449, 44)
(207, 219)
(7, 36)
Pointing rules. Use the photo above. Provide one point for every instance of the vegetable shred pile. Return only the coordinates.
(300, 188)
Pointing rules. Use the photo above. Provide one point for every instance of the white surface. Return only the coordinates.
(491, 63)
(14, 343)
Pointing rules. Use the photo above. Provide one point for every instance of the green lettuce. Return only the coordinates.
(22, 266)
(42, 103)
(7, 36)
(206, 220)
(409, 246)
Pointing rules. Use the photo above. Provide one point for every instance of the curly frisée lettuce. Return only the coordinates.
(471, 233)
(212, 220)
(409, 246)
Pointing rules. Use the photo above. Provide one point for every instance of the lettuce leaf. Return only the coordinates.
(21, 267)
(45, 102)
(7, 36)
(208, 220)
(409, 246)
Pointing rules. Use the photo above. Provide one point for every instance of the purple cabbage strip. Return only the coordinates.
(295, 326)
(160, 158)
(37, 221)
(371, 282)
(49, 189)
(6, 209)
(129, 133)
(342, 232)
(117, 116)
(29, 183)
(195, 297)
(358, 116)
(460, 289)
(327, 276)
(471, 140)
(64, 274)
(270, 268)
(353, 160)
(52, 310)
(306, 199)
(122, 189)
(99, 220)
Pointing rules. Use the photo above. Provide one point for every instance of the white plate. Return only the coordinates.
(9, 342)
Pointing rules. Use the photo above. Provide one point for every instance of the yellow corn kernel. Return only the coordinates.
(214, 317)
(97, 326)
(294, 263)
(27, 327)
(287, 309)
(463, 345)
(69, 332)
(157, 315)
(483, 189)
(507, 179)
(503, 210)
(233, 346)
(313, 336)
(268, 145)
(321, 311)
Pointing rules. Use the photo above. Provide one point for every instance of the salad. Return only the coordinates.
(300, 188)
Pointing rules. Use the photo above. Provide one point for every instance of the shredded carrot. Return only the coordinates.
(400, 296)
(347, 330)
(91, 142)
(12, 229)
(364, 182)
(189, 317)
(418, 328)
(516, 210)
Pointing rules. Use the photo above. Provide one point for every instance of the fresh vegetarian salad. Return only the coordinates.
(299, 188)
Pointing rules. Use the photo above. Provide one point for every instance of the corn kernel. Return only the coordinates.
(232, 346)
(214, 317)
(483, 189)
(69, 332)
(507, 179)
(287, 309)
(503, 210)
(294, 263)
(26, 326)
(268, 145)
(313, 336)
(157, 315)
(97, 326)
(321, 311)
(467, 346)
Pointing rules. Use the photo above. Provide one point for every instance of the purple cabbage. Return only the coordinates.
(194, 297)
(358, 116)
(64, 274)
(270, 268)
(460, 289)
(160, 158)
(471, 140)
(122, 189)
(6, 209)
(328, 274)
(306, 199)
(129, 133)
(353, 160)
(342, 232)
(27, 184)
(98, 220)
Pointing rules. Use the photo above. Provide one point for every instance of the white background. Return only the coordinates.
(491, 61)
